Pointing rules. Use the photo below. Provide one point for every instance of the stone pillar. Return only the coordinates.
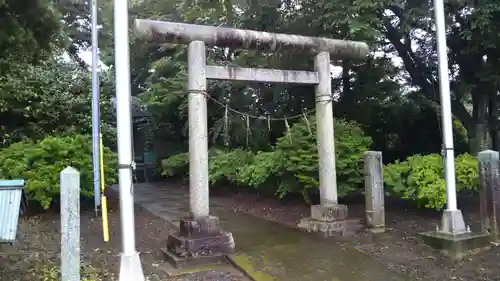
(489, 192)
(374, 191)
(198, 135)
(70, 224)
(324, 131)
(200, 238)
(328, 217)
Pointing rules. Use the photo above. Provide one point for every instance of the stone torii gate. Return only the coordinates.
(200, 235)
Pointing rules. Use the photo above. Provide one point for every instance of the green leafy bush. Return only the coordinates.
(421, 178)
(300, 157)
(292, 166)
(41, 162)
(264, 167)
(227, 165)
(175, 165)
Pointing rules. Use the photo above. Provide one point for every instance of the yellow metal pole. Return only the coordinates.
(104, 202)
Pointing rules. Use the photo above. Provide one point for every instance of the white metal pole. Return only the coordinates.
(446, 117)
(130, 264)
(95, 109)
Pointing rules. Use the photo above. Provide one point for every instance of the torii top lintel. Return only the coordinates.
(182, 33)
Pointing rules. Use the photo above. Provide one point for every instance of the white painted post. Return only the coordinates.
(130, 262)
(325, 133)
(70, 224)
(452, 221)
(198, 134)
(374, 191)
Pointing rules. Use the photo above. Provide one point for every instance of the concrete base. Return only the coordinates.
(225, 266)
(457, 246)
(131, 268)
(328, 220)
(452, 223)
(376, 230)
(199, 241)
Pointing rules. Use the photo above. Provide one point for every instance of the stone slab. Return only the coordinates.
(208, 226)
(327, 228)
(330, 213)
(184, 264)
(209, 270)
(200, 246)
(458, 246)
(489, 174)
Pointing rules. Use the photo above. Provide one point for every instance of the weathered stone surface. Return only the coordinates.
(330, 220)
(182, 33)
(374, 191)
(328, 228)
(459, 246)
(331, 213)
(200, 246)
(198, 241)
(490, 192)
(208, 226)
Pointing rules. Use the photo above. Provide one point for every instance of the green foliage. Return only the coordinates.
(265, 167)
(292, 167)
(30, 30)
(421, 178)
(41, 162)
(50, 98)
(175, 165)
(300, 157)
(227, 165)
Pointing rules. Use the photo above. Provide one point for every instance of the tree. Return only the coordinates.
(52, 97)
(29, 32)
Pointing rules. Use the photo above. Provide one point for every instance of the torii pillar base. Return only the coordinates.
(199, 241)
(329, 220)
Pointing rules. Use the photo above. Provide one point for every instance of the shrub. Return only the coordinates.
(421, 178)
(292, 167)
(226, 165)
(175, 165)
(264, 167)
(299, 157)
(41, 162)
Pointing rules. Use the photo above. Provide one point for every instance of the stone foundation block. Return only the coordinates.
(327, 219)
(458, 246)
(329, 213)
(327, 228)
(198, 241)
(199, 227)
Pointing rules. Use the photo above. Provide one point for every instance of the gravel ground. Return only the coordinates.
(399, 248)
(35, 256)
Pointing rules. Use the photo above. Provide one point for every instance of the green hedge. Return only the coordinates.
(421, 179)
(291, 167)
(41, 162)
